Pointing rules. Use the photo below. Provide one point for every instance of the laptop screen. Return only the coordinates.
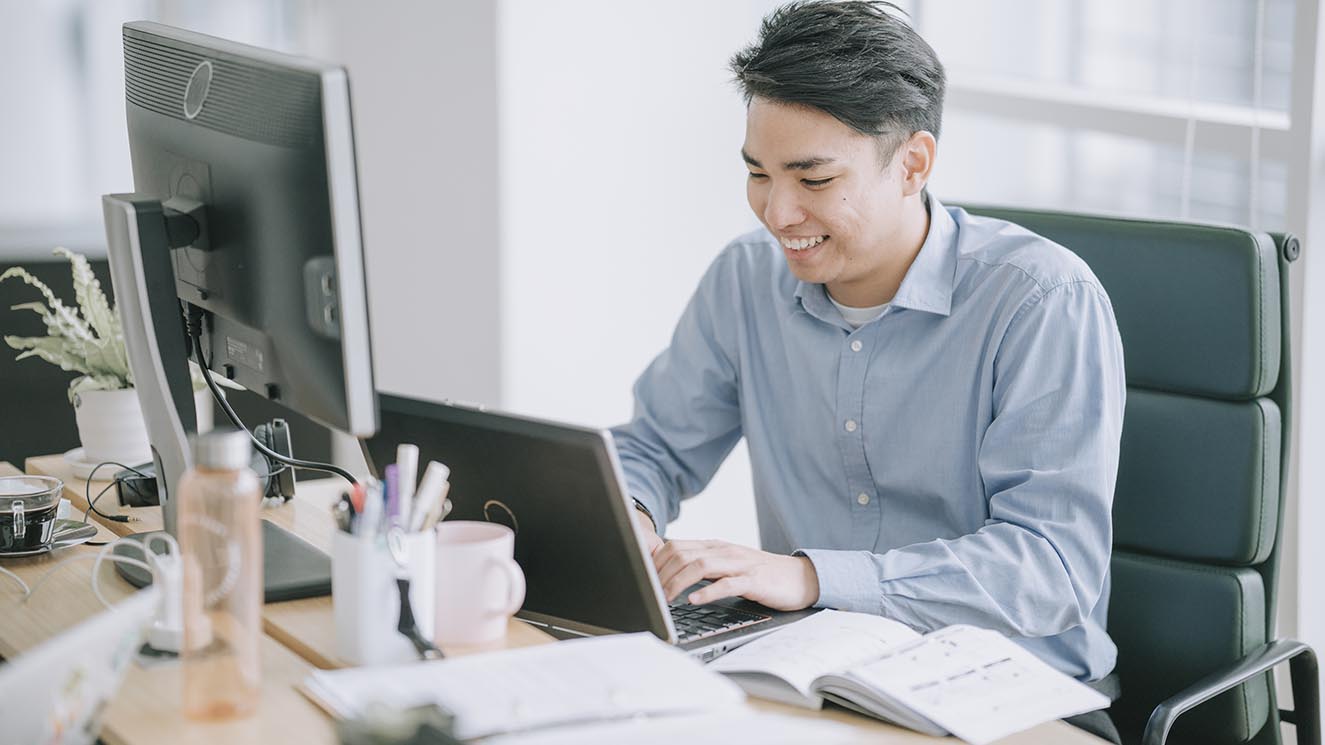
(555, 486)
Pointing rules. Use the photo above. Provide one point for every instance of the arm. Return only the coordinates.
(687, 413)
(1048, 460)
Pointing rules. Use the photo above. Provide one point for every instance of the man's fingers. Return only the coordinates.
(675, 554)
(685, 575)
(727, 587)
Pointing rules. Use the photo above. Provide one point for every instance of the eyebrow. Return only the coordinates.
(804, 164)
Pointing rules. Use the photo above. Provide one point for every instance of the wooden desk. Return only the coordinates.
(148, 708)
(304, 628)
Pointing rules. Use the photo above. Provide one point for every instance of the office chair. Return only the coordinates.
(1198, 507)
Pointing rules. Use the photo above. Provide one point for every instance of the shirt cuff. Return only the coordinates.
(848, 580)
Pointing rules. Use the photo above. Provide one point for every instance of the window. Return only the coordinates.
(62, 141)
(1163, 109)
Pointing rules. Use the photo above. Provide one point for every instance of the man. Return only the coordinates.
(932, 401)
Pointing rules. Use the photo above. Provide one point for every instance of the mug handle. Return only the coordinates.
(514, 587)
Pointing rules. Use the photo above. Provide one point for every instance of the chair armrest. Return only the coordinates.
(1305, 685)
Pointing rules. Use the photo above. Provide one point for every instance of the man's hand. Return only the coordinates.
(778, 581)
(651, 540)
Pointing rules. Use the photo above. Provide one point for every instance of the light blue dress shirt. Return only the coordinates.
(952, 461)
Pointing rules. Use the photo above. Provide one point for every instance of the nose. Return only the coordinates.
(783, 209)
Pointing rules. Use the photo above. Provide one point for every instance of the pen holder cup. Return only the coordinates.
(366, 599)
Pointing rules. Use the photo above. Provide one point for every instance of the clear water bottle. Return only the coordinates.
(221, 543)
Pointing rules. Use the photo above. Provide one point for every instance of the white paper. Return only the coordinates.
(741, 726)
(977, 684)
(827, 642)
(572, 681)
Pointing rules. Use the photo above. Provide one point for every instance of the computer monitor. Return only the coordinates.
(245, 219)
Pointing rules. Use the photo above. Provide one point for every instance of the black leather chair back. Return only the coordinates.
(1202, 312)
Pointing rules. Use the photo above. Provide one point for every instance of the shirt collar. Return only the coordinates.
(928, 283)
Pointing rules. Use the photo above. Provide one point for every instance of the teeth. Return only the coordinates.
(800, 244)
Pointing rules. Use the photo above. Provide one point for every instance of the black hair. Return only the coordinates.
(851, 59)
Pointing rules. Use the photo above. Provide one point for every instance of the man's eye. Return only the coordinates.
(757, 176)
(814, 183)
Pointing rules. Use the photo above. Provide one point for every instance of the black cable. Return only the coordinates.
(92, 502)
(117, 481)
(193, 321)
(93, 506)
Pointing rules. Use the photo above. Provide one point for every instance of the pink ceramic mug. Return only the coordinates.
(479, 585)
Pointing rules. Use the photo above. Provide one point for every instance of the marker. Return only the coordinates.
(439, 510)
(429, 494)
(407, 475)
(357, 497)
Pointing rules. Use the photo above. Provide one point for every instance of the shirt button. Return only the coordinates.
(851, 425)
(863, 498)
(856, 345)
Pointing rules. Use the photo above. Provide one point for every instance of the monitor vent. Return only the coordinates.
(263, 104)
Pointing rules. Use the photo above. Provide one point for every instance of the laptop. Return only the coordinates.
(560, 488)
(57, 691)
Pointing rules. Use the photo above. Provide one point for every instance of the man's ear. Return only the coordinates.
(917, 156)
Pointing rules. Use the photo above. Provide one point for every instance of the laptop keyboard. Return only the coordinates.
(698, 621)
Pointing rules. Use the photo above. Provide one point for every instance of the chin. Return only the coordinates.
(811, 274)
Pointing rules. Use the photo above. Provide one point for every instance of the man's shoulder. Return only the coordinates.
(993, 249)
(754, 249)
(752, 259)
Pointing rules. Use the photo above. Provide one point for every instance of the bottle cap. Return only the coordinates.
(222, 449)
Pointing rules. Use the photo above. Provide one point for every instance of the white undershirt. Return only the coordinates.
(857, 317)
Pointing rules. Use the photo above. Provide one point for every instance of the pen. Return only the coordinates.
(391, 495)
(407, 474)
(429, 494)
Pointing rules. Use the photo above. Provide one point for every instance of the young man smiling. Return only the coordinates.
(932, 400)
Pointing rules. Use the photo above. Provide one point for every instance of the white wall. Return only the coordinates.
(537, 216)
(621, 180)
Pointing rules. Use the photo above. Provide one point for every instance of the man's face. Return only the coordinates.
(822, 190)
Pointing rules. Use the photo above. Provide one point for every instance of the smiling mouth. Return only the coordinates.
(803, 244)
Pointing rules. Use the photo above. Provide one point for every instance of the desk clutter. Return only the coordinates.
(972, 683)
(383, 563)
(403, 582)
(625, 688)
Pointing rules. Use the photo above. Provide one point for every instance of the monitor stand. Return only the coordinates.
(292, 568)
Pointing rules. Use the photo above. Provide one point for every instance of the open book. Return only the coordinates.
(973, 683)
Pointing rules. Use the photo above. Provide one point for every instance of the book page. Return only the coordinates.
(571, 681)
(976, 683)
(828, 641)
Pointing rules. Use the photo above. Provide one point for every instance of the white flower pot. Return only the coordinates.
(111, 425)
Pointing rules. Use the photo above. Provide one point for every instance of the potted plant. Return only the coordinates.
(89, 340)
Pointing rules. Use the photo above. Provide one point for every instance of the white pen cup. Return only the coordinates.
(479, 585)
(366, 599)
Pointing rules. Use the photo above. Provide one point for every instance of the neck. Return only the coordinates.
(880, 285)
